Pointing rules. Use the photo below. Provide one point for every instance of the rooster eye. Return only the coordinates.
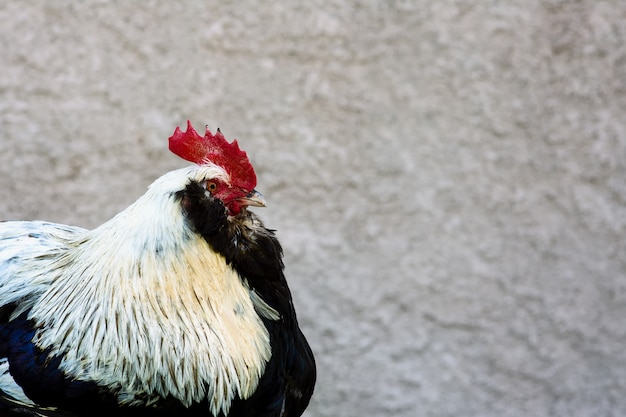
(211, 186)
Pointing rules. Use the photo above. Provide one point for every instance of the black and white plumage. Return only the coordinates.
(176, 306)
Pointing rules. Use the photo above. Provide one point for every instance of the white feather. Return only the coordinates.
(141, 304)
(11, 390)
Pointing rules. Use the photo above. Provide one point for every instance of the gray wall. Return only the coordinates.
(448, 177)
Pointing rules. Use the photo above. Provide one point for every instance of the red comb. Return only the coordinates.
(191, 146)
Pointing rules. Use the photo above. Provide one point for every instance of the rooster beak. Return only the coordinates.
(254, 199)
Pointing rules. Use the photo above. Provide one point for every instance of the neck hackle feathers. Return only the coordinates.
(214, 148)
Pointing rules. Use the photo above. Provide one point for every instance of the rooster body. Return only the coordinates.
(176, 306)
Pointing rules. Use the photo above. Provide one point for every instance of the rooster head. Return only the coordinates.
(236, 189)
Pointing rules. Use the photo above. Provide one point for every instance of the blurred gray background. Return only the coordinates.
(448, 178)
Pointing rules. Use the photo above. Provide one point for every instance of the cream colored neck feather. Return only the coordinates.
(149, 310)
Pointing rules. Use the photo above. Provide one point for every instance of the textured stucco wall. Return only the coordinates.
(448, 177)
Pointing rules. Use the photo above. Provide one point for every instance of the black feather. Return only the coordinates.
(256, 254)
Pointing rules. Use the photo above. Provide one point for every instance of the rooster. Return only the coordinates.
(176, 306)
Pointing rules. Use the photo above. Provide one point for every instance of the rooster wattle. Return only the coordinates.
(176, 306)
